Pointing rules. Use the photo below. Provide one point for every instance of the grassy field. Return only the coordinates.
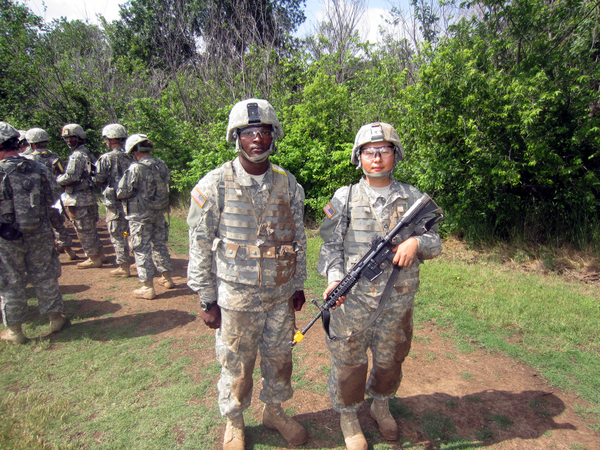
(125, 391)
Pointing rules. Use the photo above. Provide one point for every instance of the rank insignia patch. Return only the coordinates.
(329, 211)
(198, 197)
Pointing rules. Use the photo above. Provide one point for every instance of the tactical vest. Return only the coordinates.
(85, 182)
(119, 163)
(153, 187)
(50, 160)
(21, 194)
(364, 226)
(253, 250)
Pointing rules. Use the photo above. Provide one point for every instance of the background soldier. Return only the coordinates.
(246, 220)
(27, 253)
(110, 168)
(145, 187)
(356, 215)
(38, 139)
(79, 199)
(24, 147)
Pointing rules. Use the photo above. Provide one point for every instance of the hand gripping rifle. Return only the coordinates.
(423, 215)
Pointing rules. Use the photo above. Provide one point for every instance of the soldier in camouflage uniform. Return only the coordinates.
(38, 139)
(80, 199)
(110, 168)
(248, 266)
(27, 253)
(145, 189)
(356, 215)
(24, 147)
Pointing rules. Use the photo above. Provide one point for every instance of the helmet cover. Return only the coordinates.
(252, 112)
(7, 132)
(73, 129)
(134, 140)
(36, 135)
(376, 132)
(114, 131)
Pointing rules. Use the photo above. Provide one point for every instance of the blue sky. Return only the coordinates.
(88, 9)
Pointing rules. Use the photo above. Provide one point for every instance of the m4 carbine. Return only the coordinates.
(423, 215)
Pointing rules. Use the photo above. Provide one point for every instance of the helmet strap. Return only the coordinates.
(254, 159)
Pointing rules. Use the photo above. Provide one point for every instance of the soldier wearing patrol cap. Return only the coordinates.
(38, 140)
(144, 190)
(27, 253)
(355, 216)
(248, 266)
(79, 199)
(110, 168)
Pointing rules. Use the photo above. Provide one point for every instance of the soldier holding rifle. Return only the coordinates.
(355, 216)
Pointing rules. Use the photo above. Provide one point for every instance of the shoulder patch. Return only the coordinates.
(198, 197)
(278, 169)
(329, 211)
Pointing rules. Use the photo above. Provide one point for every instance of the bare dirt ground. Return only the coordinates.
(489, 400)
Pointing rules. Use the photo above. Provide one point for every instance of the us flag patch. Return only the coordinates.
(329, 211)
(198, 197)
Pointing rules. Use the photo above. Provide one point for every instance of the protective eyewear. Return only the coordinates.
(254, 133)
(372, 152)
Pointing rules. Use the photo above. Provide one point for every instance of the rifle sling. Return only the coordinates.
(385, 295)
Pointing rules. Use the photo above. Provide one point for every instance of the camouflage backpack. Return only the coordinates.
(157, 183)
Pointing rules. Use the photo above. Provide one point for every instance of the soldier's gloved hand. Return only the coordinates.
(212, 317)
(298, 299)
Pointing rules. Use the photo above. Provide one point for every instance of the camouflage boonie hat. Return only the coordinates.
(35, 135)
(114, 131)
(377, 132)
(73, 129)
(7, 132)
(252, 112)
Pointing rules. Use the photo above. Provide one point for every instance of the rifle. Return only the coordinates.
(423, 215)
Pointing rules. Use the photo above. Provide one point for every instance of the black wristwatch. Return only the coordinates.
(207, 306)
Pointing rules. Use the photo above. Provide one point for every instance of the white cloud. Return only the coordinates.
(85, 10)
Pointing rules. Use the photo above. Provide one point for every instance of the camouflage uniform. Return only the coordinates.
(56, 165)
(31, 257)
(80, 199)
(149, 229)
(110, 168)
(253, 287)
(346, 233)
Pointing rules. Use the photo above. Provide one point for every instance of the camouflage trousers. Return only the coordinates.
(32, 259)
(116, 229)
(84, 220)
(389, 340)
(61, 235)
(149, 243)
(241, 336)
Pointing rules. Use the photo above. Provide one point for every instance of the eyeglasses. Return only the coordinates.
(371, 152)
(254, 133)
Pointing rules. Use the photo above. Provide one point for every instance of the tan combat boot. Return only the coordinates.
(58, 322)
(70, 253)
(353, 435)
(166, 280)
(275, 418)
(380, 412)
(14, 334)
(146, 291)
(93, 262)
(235, 437)
(121, 271)
(101, 254)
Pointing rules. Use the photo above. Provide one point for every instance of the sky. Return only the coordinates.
(89, 9)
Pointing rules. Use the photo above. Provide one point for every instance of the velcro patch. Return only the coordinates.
(199, 197)
(329, 211)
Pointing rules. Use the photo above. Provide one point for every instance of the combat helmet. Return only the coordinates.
(252, 112)
(73, 129)
(7, 132)
(22, 135)
(36, 135)
(114, 131)
(377, 132)
(135, 139)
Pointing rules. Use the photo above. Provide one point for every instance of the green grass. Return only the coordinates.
(102, 387)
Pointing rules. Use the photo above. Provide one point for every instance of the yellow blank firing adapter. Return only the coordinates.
(125, 234)
(297, 338)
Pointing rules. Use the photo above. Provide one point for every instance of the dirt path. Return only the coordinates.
(489, 400)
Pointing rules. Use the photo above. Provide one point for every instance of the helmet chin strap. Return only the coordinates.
(254, 159)
(375, 175)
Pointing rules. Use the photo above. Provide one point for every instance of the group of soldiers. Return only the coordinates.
(38, 191)
(247, 257)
